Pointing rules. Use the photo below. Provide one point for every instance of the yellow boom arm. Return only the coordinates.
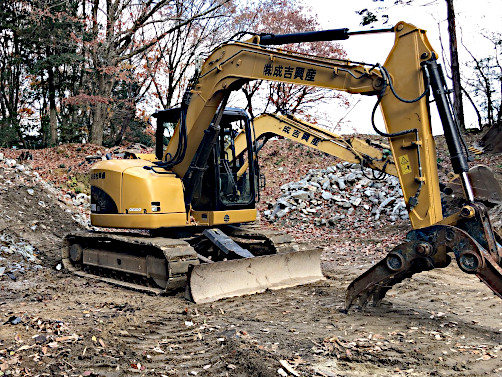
(350, 149)
(233, 64)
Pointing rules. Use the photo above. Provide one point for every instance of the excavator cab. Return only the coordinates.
(235, 174)
(230, 180)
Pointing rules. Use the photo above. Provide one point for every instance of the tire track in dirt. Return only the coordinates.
(173, 344)
(440, 323)
(165, 338)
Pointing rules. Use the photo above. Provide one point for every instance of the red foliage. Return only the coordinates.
(58, 164)
(284, 17)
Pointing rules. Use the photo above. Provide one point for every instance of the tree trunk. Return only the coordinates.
(499, 112)
(455, 66)
(53, 121)
(98, 123)
(126, 120)
(100, 113)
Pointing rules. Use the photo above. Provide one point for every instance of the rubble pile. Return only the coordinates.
(33, 216)
(10, 245)
(326, 196)
(15, 173)
(25, 256)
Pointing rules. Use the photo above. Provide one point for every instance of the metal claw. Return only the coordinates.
(425, 250)
(402, 262)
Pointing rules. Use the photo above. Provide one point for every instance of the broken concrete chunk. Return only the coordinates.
(326, 195)
(300, 195)
(350, 178)
(10, 162)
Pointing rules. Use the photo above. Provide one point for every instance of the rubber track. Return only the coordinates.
(163, 245)
(249, 236)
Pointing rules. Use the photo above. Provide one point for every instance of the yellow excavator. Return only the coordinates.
(195, 200)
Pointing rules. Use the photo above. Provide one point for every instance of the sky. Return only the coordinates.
(473, 18)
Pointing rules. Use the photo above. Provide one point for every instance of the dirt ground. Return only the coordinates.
(440, 323)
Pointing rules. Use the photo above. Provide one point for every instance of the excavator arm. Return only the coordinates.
(350, 149)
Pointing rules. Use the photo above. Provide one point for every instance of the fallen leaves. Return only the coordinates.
(289, 368)
(43, 341)
(137, 366)
(52, 342)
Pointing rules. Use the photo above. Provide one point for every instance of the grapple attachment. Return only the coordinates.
(473, 242)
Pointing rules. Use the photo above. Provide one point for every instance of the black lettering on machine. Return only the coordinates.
(99, 175)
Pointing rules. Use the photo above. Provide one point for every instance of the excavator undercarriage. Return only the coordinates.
(164, 264)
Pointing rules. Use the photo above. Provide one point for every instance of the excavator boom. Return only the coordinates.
(350, 149)
(233, 64)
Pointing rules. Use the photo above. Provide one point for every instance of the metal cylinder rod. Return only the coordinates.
(309, 36)
(466, 184)
(440, 92)
(452, 135)
(315, 36)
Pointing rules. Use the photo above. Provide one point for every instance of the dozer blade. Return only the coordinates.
(213, 281)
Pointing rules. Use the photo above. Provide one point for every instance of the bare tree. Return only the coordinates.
(175, 57)
(486, 84)
(122, 31)
(12, 71)
(286, 16)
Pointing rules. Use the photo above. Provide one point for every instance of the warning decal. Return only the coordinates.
(404, 162)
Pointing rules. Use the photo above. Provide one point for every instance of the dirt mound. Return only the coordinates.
(34, 217)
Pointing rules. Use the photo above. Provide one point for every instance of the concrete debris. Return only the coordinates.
(335, 192)
(10, 162)
(327, 195)
(83, 198)
(9, 245)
